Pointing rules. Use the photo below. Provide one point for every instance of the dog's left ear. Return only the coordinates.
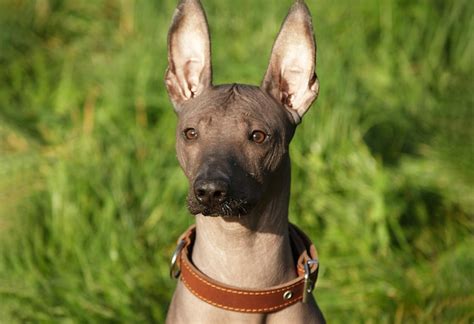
(189, 70)
(290, 76)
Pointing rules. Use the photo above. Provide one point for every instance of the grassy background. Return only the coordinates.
(92, 198)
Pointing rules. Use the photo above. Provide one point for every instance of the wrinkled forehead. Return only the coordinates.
(236, 101)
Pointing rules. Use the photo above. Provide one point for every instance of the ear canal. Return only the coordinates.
(290, 76)
(189, 70)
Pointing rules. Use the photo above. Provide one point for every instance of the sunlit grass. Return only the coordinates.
(92, 198)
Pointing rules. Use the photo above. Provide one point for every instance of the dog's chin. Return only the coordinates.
(230, 208)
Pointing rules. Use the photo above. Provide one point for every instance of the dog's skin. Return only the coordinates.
(232, 143)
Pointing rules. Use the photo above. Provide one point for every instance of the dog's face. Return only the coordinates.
(230, 142)
(232, 139)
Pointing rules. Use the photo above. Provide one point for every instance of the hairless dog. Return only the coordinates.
(243, 262)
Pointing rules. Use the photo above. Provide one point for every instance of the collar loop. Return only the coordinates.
(248, 300)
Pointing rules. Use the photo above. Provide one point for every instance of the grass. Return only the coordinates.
(92, 198)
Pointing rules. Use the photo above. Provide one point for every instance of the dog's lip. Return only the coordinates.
(235, 205)
(214, 215)
(219, 210)
(217, 213)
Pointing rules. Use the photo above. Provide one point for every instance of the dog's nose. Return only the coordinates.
(211, 192)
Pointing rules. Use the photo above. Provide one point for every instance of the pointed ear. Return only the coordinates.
(189, 53)
(291, 77)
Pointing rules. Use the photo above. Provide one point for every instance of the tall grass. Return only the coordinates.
(92, 197)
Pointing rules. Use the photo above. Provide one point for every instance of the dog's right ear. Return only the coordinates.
(189, 53)
(291, 77)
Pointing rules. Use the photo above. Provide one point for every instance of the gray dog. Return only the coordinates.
(243, 262)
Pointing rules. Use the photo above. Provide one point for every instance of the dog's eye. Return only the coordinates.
(190, 133)
(258, 136)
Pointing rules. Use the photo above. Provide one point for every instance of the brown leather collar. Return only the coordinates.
(248, 300)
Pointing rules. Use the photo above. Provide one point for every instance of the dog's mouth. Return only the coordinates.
(229, 208)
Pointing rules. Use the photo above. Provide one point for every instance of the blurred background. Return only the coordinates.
(92, 198)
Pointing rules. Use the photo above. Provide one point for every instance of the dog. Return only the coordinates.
(237, 265)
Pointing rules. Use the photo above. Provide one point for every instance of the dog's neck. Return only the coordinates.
(252, 251)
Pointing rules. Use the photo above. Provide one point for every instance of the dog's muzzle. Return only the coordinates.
(211, 192)
(213, 197)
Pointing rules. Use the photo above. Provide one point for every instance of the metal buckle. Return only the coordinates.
(175, 271)
(308, 283)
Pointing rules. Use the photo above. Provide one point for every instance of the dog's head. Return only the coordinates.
(232, 140)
